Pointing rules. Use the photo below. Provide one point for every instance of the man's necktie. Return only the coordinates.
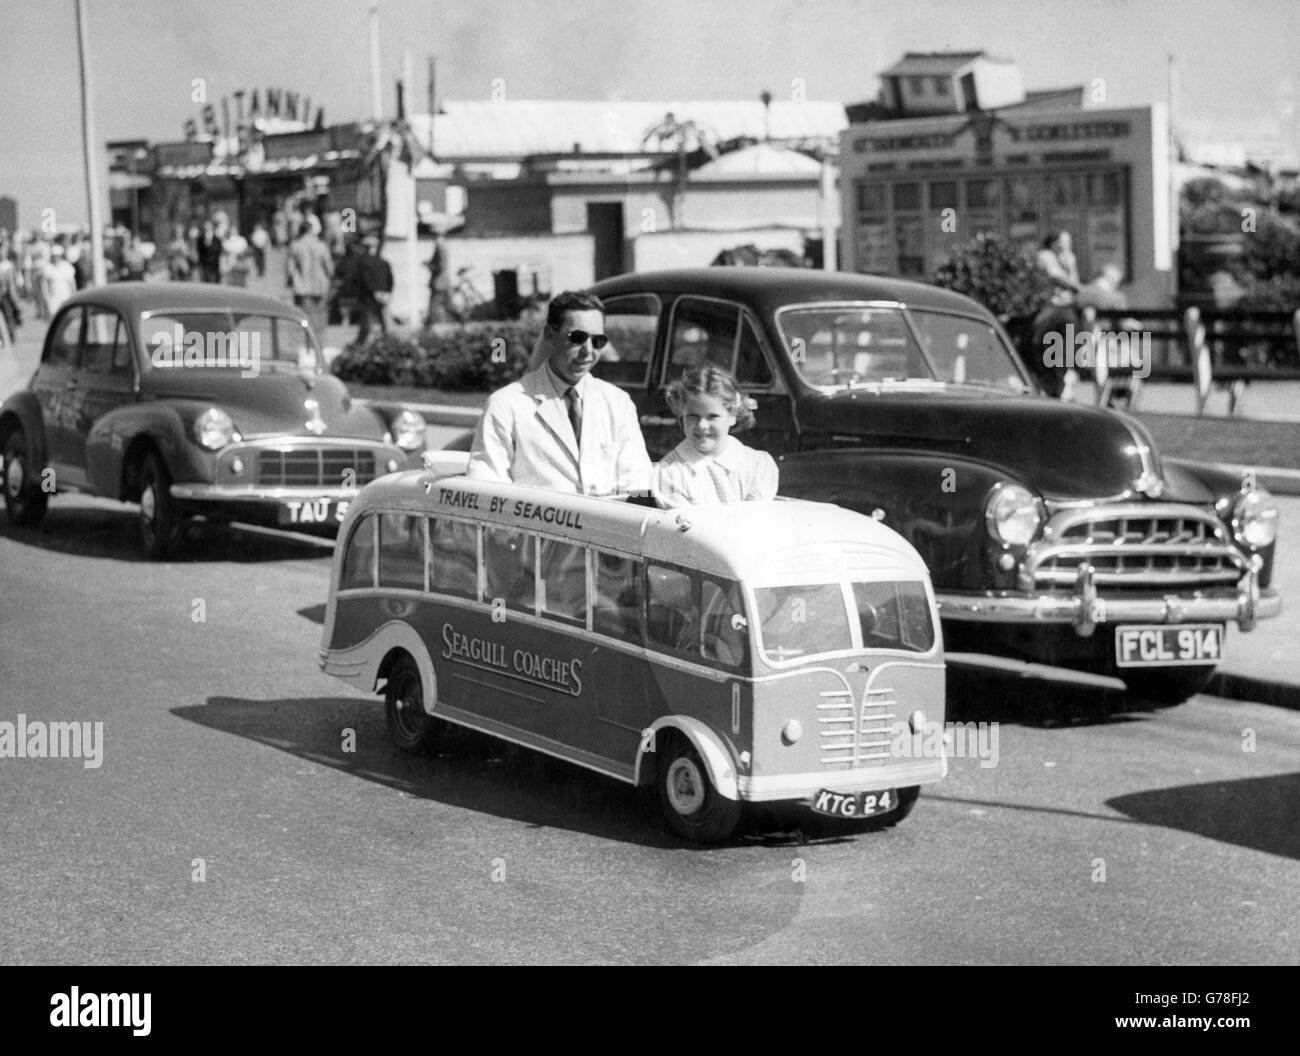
(575, 413)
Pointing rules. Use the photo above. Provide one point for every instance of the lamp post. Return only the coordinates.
(99, 275)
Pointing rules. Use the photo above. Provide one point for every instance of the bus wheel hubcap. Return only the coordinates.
(685, 786)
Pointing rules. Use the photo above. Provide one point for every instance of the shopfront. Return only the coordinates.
(915, 188)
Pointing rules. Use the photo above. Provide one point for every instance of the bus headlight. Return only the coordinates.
(791, 731)
(408, 431)
(1013, 514)
(1254, 519)
(213, 429)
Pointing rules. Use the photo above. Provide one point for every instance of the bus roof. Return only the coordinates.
(752, 541)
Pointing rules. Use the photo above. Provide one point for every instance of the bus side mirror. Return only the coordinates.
(738, 622)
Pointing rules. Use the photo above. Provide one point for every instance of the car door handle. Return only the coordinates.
(655, 419)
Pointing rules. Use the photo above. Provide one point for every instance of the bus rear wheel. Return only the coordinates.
(411, 728)
(691, 804)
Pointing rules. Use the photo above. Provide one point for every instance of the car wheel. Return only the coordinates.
(690, 803)
(411, 728)
(25, 502)
(1167, 686)
(160, 520)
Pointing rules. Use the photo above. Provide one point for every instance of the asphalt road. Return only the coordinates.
(223, 742)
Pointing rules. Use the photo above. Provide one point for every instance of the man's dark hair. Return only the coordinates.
(571, 301)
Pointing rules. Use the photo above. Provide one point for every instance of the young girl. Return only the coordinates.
(710, 465)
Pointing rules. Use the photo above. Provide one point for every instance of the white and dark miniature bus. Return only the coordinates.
(781, 652)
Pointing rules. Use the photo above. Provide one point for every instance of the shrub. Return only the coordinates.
(997, 274)
(478, 356)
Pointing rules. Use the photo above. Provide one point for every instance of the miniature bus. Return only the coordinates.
(773, 652)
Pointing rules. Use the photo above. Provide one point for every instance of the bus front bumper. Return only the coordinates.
(778, 787)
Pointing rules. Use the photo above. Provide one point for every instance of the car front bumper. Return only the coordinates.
(1085, 608)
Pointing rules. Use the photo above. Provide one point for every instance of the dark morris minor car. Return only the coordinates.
(194, 400)
(1057, 538)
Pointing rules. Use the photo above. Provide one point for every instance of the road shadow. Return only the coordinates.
(982, 696)
(98, 528)
(1258, 813)
(472, 770)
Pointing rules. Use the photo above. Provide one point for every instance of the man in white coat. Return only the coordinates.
(557, 426)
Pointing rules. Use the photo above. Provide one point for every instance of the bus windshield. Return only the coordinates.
(800, 621)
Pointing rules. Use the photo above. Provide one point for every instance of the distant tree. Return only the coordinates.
(997, 274)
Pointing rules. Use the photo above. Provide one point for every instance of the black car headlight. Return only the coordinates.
(1014, 514)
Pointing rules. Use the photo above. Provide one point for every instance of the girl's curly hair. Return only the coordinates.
(710, 380)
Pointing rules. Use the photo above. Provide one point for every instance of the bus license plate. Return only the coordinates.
(1160, 645)
(854, 804)
(314, 511)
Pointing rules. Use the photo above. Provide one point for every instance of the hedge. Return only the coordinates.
(477, 356)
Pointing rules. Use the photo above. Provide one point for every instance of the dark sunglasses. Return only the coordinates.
(579, 337)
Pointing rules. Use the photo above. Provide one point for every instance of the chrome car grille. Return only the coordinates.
(853, 737)
(315, 467)
(1135, 547)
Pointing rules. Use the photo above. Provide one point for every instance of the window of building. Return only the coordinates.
(943, 195)
(941, 87)
(907, 196)
(916, 85)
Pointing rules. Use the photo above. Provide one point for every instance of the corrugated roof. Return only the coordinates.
(519, 128)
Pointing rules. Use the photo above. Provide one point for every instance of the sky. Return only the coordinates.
(1236, 62)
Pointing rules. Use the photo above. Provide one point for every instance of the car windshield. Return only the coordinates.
(813, 619)
(228, 340)
(843, 346)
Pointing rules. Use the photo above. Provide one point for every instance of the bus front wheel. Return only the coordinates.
(411, 728)
(691, 805)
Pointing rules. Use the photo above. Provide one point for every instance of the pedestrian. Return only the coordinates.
(439, 285)
(374, 289)
(309, 271)
(558, 427)
(208, 250)
(59, 279)
(710, 465)
(11, 316)
(260, 240)
(1056, 261)
(179, 263)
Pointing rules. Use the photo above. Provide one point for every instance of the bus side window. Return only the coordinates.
(359, 559)
(401, 551)
(672, 619)
(720, 640)
(617, 606)
(508, 562)
(453, 549)
(563, 589)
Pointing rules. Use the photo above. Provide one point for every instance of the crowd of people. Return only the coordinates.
(39, 271)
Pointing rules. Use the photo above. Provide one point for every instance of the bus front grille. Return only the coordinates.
(853, 737)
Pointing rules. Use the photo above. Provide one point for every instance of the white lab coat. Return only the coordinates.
(525, 436)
